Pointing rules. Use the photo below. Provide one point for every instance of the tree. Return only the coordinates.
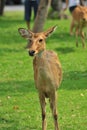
(41, 15)
(2, 3)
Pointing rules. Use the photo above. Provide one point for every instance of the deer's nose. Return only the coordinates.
(31, 53)
(84, 19)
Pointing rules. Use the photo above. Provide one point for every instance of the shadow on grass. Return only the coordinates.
(6, 22)
(74, 75)
(65, 50)
(13, 87)
(14, 124)
(8, 50)
(62, 36)
(71, 81)
(74, 80)
(3, 51)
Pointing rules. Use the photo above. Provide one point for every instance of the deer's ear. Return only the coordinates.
(27, 34)
(50, 31)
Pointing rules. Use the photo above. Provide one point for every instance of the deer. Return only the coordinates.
(80, 22)
(47, 71)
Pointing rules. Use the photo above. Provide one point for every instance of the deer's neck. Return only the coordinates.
(41, 54)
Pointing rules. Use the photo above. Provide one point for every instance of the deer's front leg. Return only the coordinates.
(83, 38)
(77, 33)
(43, 108)
(54, 109)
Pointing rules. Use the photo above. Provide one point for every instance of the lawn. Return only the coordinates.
(19, 103)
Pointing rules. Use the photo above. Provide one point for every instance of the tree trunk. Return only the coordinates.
(2, 3)
(41, 15)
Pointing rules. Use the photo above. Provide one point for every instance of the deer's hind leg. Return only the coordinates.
(43, 109)
(53, 99)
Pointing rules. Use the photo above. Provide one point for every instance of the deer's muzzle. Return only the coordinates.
(31, 53)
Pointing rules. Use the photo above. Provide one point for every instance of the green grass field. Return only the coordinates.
(19, 103)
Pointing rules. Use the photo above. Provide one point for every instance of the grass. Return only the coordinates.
(19, 103)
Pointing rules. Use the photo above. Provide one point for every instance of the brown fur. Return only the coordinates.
(80, 22)
(47, 71)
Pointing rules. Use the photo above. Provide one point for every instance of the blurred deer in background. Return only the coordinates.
(80, 20)
(47, 70)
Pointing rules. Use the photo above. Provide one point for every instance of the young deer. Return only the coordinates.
(47, 70)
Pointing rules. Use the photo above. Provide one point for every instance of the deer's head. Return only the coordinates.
(36, 41)
(83, 15)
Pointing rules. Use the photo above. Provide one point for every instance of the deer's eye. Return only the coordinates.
(40, 40)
